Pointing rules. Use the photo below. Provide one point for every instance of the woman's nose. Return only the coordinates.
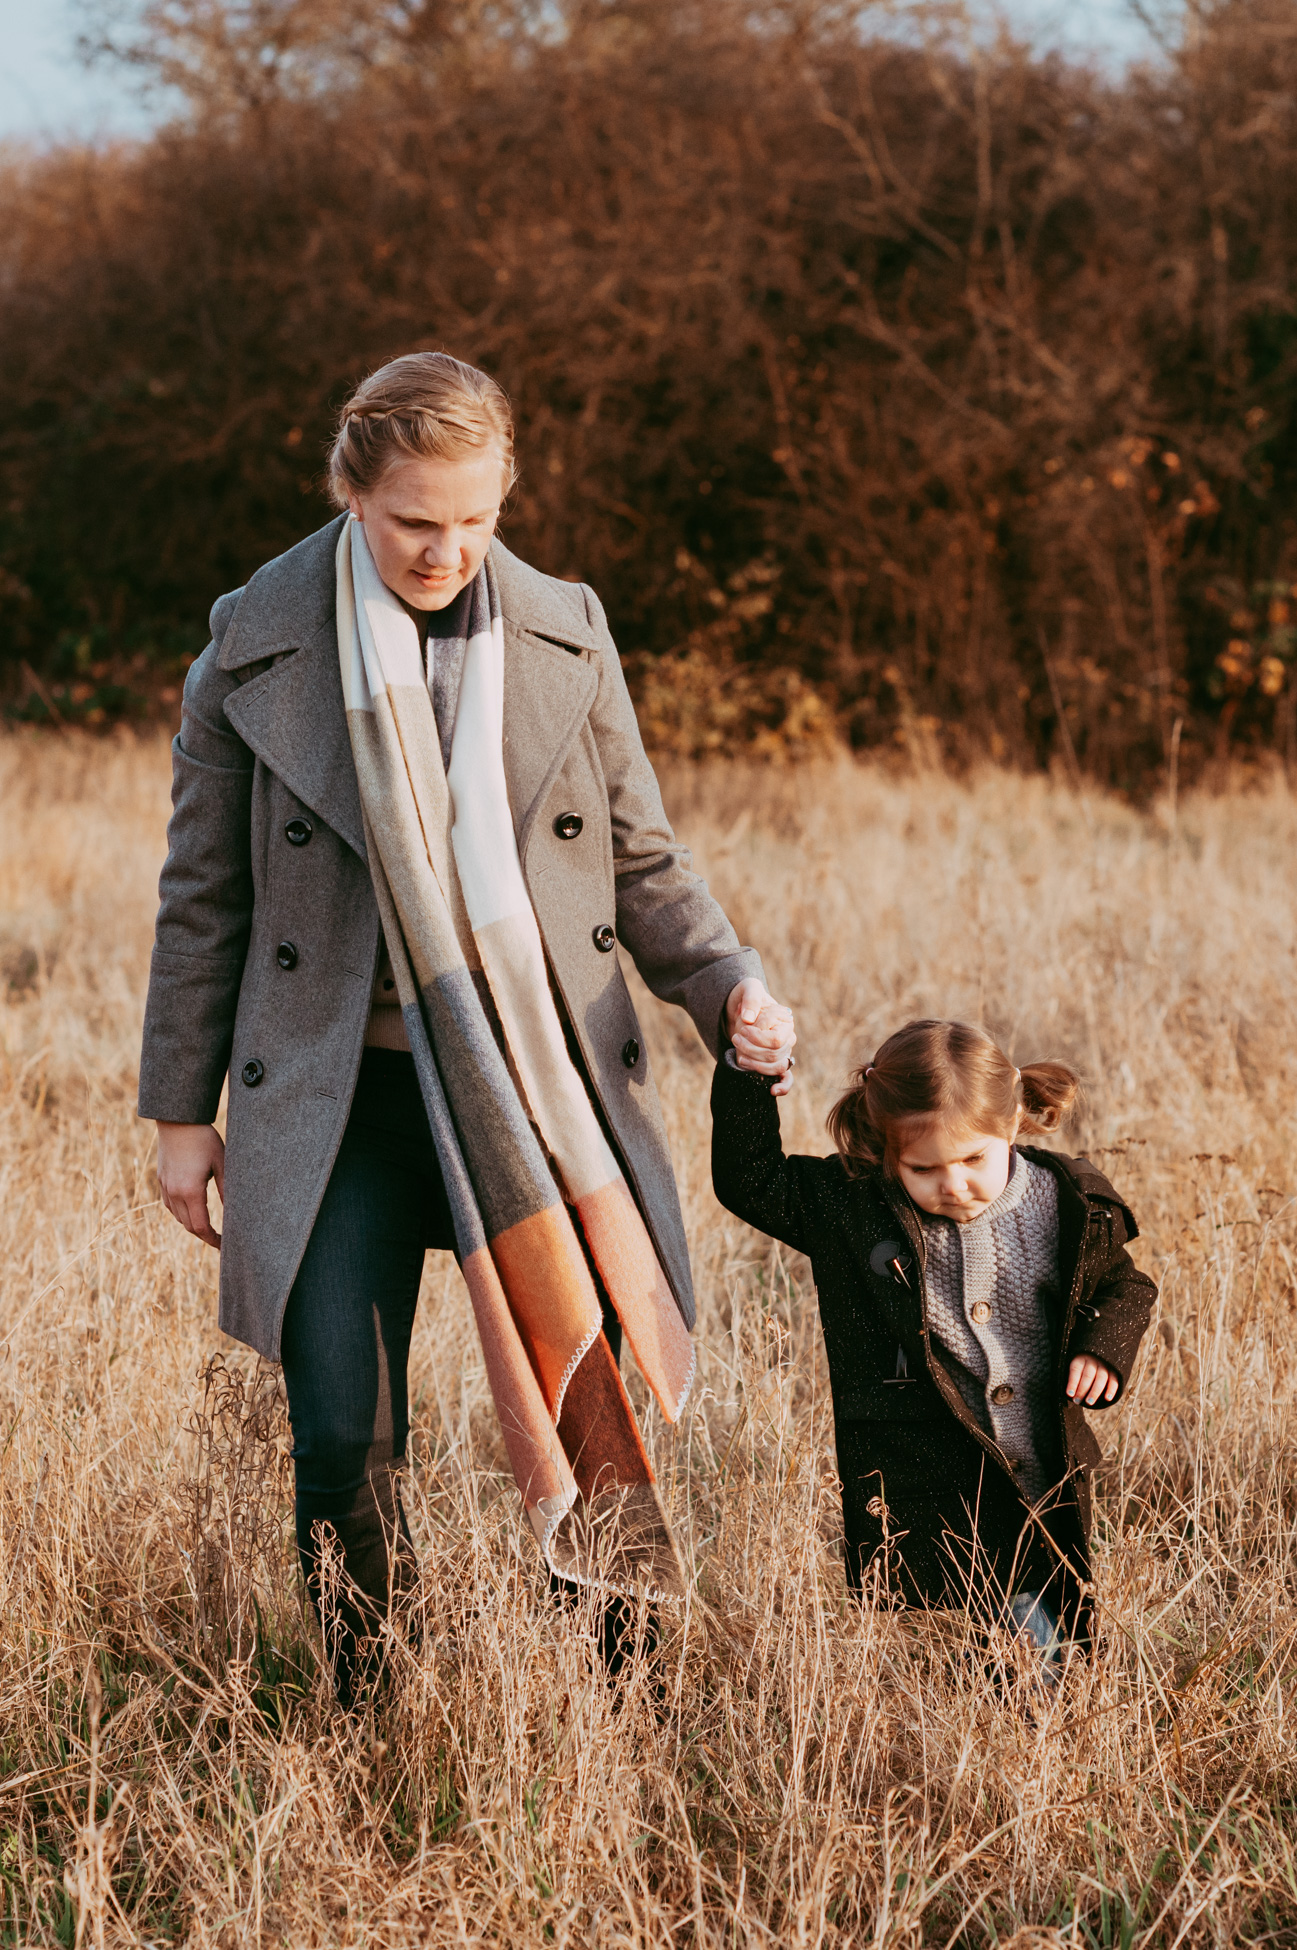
(442, 552)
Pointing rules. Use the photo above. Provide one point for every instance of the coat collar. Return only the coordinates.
(292, 715)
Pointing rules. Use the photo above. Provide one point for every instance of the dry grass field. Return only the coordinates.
(171, 1766)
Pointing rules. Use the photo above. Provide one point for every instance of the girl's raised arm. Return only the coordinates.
(750, 1173)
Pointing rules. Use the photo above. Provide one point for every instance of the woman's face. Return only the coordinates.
(429, 523)
(954, 1174)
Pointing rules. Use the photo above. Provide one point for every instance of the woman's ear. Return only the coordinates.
(353, 504)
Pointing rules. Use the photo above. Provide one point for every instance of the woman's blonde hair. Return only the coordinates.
(423, 406)
(944, 1073)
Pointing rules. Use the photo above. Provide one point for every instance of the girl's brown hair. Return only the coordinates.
(949, 1073)
(424, 406)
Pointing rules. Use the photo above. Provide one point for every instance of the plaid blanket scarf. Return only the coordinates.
(542, 1212)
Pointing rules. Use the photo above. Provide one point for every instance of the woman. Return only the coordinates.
(412, 819)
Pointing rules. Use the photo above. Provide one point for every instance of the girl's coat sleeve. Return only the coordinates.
(752, 1177)
(1114, 1312)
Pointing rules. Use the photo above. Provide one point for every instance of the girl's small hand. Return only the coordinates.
(1088, 1381)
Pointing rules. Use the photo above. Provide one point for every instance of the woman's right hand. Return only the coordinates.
(189, 1155)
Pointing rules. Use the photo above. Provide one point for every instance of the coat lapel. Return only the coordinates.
(291, 714)
(549, 683)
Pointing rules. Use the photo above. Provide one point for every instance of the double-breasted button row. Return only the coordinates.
(569, 825)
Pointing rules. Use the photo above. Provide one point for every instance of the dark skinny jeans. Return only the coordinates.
(346, 1347)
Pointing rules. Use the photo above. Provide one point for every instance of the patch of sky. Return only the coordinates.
(49, 94)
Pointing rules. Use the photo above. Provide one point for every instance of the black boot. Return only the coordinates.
(356, 1582)
(618, 1636)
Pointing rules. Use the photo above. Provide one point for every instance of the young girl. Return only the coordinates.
(976, 1296)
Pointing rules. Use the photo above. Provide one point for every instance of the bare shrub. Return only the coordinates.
(988, 357)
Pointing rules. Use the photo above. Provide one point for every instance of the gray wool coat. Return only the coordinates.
(263, 747)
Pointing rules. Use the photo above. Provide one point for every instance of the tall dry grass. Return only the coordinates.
(172, 1767)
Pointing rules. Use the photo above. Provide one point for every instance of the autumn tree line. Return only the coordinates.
(892, 383)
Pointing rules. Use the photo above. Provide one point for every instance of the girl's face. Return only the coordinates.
(955, 1174)
(429, 523)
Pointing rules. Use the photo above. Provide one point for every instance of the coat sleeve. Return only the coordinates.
(1114, 1311)
(673, 928)
(751, 1175)
(205, 911)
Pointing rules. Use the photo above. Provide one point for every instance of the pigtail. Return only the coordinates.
(858, 1140)
(950, 1073)
(1047, 1092)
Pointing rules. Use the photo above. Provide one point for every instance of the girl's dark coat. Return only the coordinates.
(913, 1460)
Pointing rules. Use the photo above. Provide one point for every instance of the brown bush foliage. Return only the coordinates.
(881, 381)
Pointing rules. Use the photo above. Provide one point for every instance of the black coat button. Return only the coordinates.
(604, 939)
(630, 1053)
(253, 1071)
(286, 954)
(298, 831)
(568, 825)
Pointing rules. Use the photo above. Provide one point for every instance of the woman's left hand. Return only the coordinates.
(1089, 1382)
(762, 1033)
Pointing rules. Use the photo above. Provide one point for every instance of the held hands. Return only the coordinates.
(762, 1033)
(188, 1155)
(1088, 1381)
